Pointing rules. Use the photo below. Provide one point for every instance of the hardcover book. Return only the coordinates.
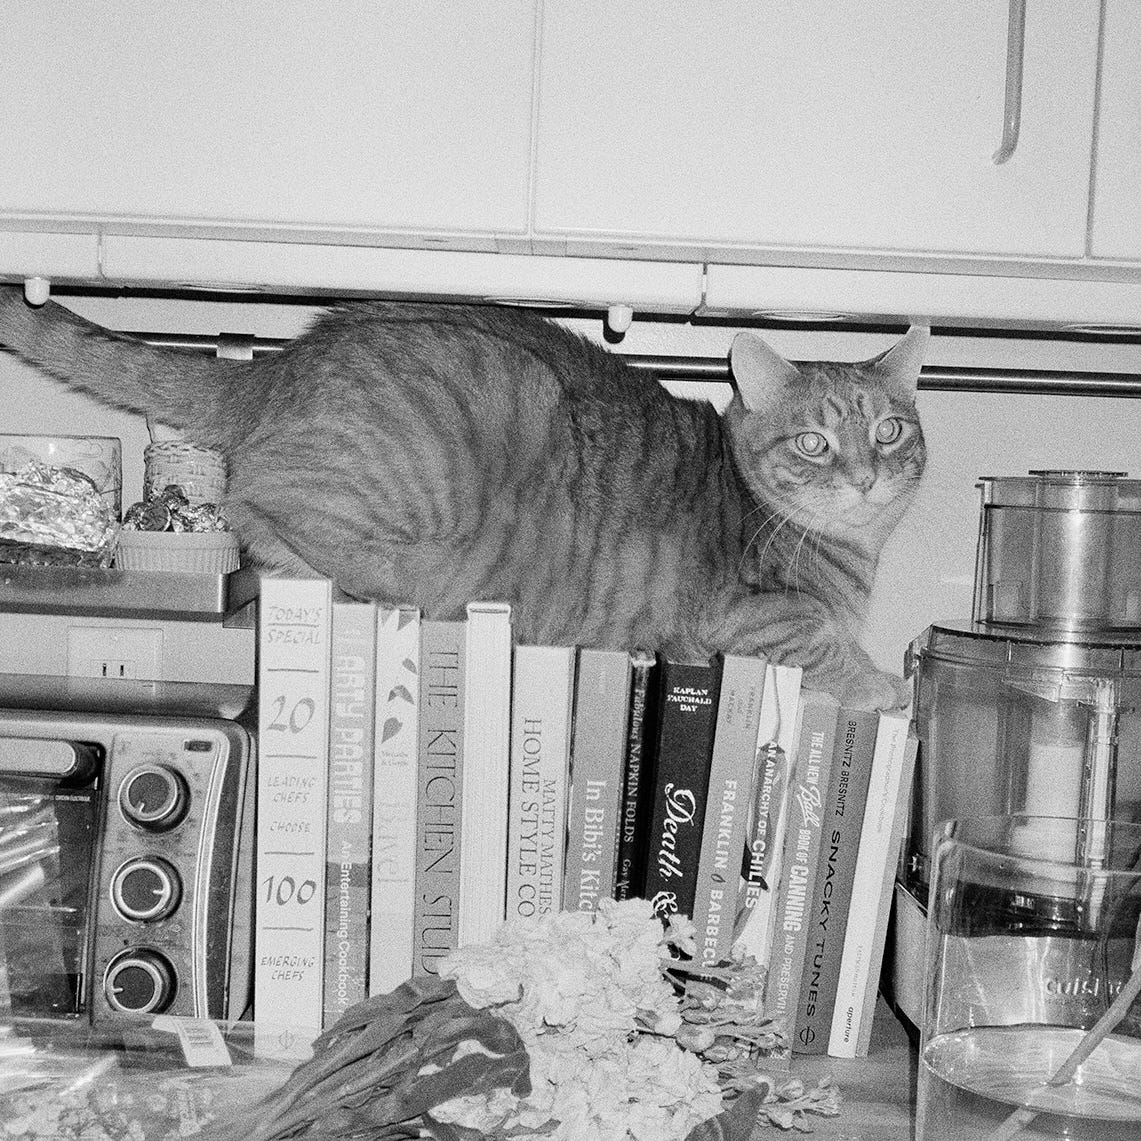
(876, 862)
(487, 748)
(348, 827)
(886, 894)
(768, 811)
(637, 780)
(602, 700)
(294, 628)
(440, 782)
(800, 862)
(394, 822)
(844, 803)
(542, 710)
(687, 718)
(730, 789)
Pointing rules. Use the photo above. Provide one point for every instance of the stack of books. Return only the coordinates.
(421, 781)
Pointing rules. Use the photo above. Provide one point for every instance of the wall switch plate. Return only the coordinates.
(123, 652)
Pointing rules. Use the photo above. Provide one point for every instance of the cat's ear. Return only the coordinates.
(760, 371)
(899, 367)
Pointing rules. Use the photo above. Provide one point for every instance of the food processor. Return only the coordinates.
(1031, 706)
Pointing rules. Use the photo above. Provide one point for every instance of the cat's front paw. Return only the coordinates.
(875, 690)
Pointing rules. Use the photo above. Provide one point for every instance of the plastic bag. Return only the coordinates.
(133, 1082)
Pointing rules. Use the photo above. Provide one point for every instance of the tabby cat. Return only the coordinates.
(431, 454)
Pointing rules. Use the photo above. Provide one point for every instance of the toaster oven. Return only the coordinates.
(125, 865)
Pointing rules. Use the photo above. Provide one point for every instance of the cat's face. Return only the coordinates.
(835, 448)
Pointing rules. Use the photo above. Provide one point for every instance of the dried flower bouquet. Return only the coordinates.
(573, 1026)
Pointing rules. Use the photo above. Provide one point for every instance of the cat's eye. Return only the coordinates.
(811, 444)
(889, 430)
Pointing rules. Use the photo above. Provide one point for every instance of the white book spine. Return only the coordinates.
(393, 885)
(887, 893)
(483, 808)
(542, 692)
(294, 635)
(872, 856)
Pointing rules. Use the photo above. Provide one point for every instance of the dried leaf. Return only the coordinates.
(365, 1078)
(446, 1131)
(471, 1074)
(736, 1123)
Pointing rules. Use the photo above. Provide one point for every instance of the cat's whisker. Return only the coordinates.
(789, 521)
(761, 527)
(774, 505)
(763, 552)
(794, 565)
(809, 529)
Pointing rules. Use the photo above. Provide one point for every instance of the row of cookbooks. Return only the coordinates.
(419, 781)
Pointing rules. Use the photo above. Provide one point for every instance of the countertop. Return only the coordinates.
(877, 1092)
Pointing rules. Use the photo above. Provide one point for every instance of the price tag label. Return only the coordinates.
(201, 1040)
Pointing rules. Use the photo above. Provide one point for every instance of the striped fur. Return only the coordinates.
(432, 454)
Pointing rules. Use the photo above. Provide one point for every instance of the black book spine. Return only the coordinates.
(637, 786)
(687, 718)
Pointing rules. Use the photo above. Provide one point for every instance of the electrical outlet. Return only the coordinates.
(114, 652)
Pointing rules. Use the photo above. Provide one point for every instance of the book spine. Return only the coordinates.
(847, 794)
(886, 894)
(687, 718)
(819, 713)
(487, 750)
(392, 914)
(348, 822)
(440, 781)
(844, 803)
(730, 788)
(602, 698)
(760, 866)
(541, 713)
(875, 856)
(293, 748)
(637, 786)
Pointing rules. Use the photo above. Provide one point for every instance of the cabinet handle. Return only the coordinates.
(1012, 112)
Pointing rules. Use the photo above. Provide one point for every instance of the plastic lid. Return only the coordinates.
(978, 645)
(1063, 489)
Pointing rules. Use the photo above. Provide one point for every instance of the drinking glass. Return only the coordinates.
(1032, 1028)
(100, 458)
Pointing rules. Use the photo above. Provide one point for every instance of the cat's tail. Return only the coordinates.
(175, 388)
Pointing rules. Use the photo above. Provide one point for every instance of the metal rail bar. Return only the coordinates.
(933, 378)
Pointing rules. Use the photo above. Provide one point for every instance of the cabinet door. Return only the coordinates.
(265, 116)
(864, 124)
(1116, 230)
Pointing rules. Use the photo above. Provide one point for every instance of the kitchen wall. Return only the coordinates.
(927, 571)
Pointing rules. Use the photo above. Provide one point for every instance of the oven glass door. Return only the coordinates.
(48, 834)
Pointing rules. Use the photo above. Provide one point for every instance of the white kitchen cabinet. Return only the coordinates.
(1116, 217)
(365, 122)
(869, 126)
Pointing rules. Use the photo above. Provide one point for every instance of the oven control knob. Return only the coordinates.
(145, 889)
(154, 797)
(139, 981)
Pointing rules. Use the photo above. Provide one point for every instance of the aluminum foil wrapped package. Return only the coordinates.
(172, 510)
(54, 516)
